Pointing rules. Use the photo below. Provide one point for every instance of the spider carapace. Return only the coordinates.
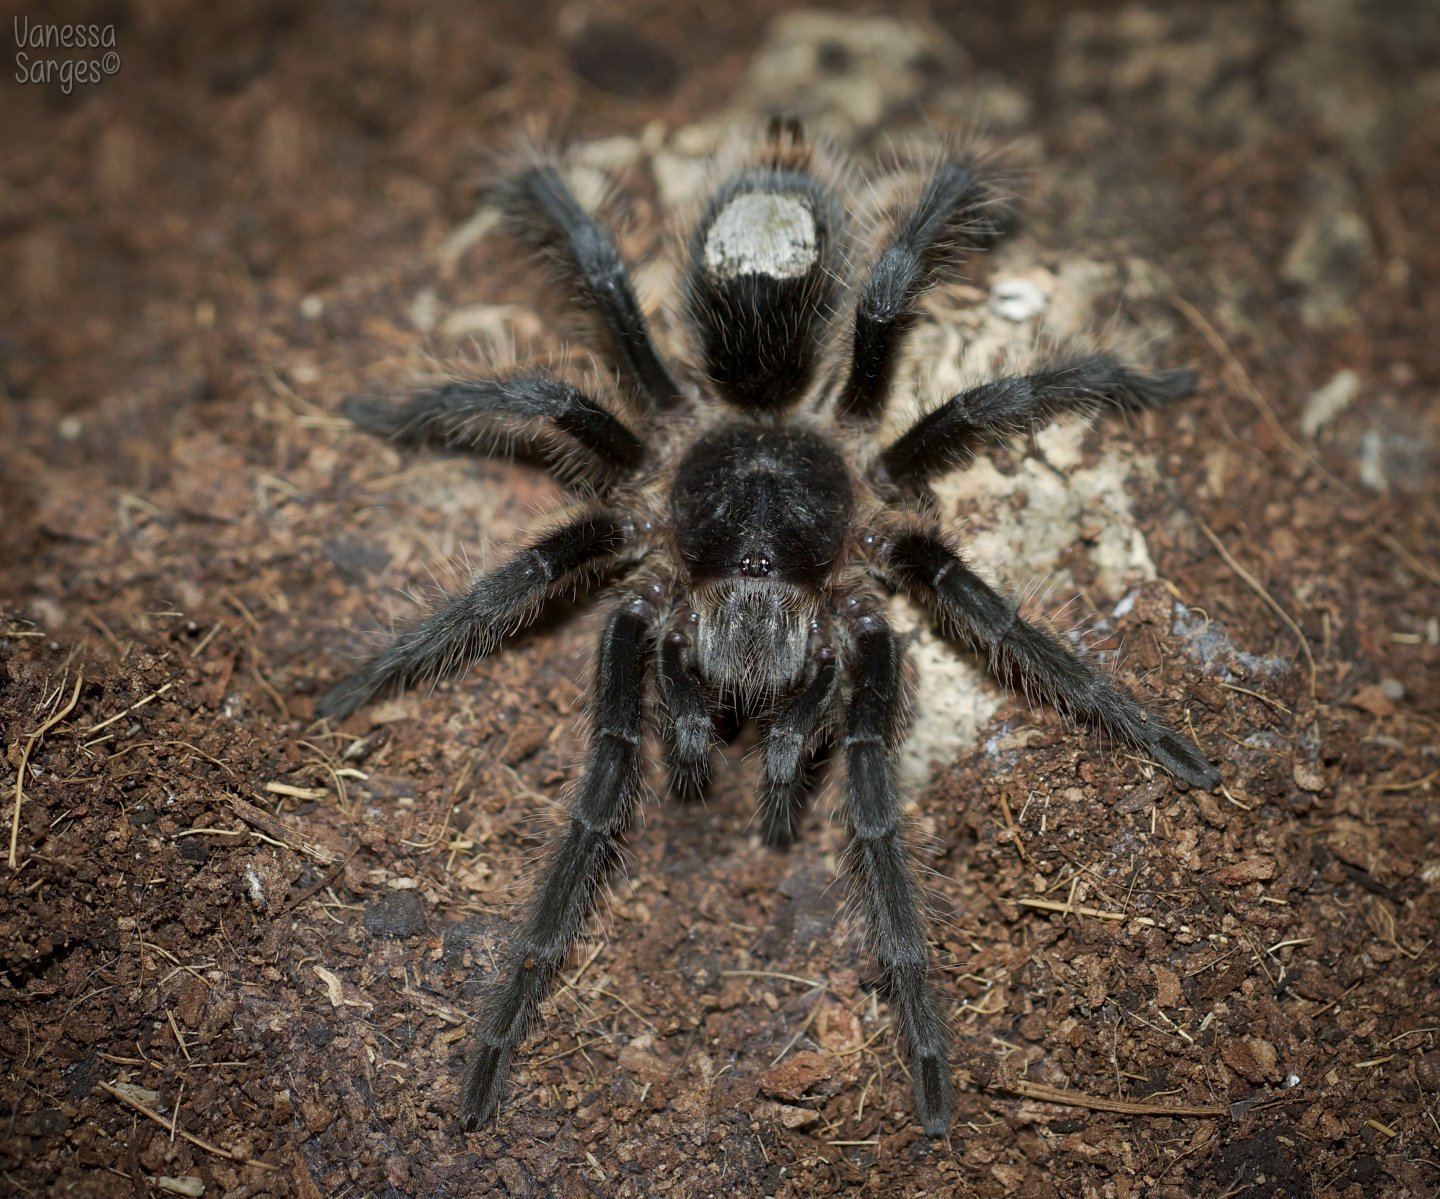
(742, 503)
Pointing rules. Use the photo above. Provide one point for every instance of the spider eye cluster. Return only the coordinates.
(761, 503)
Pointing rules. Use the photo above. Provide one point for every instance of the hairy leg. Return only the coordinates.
(1042, 665)
(579, 858)
(548, 216)
(687, 710)
(948, 437)
(957, 213)
(471, 625)
(481, 414)
(880, 863)
(790, 733)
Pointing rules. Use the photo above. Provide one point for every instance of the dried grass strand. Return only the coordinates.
(31, 740)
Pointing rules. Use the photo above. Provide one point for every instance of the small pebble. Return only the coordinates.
(1017, 299)
(1328, 402)
(399, 914)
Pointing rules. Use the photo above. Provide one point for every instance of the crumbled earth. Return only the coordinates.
(239, 948)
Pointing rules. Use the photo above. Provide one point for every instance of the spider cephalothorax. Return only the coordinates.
(750, 518)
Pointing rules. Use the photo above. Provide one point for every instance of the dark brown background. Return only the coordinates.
(204, 253)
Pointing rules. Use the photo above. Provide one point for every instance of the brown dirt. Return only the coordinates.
(268, 933)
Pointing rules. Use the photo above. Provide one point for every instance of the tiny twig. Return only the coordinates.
(265, 684)
(1264, 699)
(799, 1032)
(792, 978)
(1068, 908)
(139, 703)
(1392, 788)
(179, 1040)
(281, 832)
(1099, 1103)
(179, 1095)
(316, 888)
(1013, 830)
(151, 1114)
(31, 740)
(1270, 601)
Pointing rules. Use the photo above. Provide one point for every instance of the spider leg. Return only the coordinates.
(947, 438)
(548, 216)
(579, 858)
(688, 712)
(957, 213)
(789, 733)
(478, 414)
(880, 863)
(1019, 650)
(472, 624)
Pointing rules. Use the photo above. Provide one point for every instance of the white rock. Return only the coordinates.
(1017, 299)
(1329, 402)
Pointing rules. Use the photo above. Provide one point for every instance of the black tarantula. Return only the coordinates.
(757, 519)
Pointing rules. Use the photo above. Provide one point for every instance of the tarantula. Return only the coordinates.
(757, 519)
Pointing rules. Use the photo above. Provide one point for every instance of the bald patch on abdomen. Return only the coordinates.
(762, 233)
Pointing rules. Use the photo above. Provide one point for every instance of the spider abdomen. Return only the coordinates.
(762, 284)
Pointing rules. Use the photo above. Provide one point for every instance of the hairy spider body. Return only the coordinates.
(755, 518)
